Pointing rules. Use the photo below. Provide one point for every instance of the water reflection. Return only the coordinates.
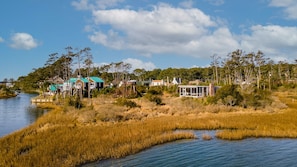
(17, 112)
(34, 112)
(215, 152)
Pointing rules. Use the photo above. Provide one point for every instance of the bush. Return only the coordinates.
(125, 102)
(290, 85)
(95, 93)
(154, 98)
(141, 89)
(75, 102)
(228, 95)
(155, 90)
(107, 90)
(172, 89)
(258, 98)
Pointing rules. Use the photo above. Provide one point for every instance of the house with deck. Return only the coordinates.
(72, 85)
(197, 91)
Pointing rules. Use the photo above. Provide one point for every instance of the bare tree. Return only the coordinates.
(215, 64)
(260, 61)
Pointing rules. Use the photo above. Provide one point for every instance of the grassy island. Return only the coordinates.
(6, 92)
(103, 129)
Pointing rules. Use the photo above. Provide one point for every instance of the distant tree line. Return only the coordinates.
(240, 68)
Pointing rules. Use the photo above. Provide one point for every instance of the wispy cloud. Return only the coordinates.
(1, 39)
(138, 64)
(95, 4)
(216, 2)
(23, 41)
(187, 4)
(290, 7)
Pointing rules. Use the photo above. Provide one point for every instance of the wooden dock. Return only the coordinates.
(41, 100)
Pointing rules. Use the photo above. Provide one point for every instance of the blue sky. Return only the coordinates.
(145, 33)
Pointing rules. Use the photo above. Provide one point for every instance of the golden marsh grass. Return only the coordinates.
(69, 137)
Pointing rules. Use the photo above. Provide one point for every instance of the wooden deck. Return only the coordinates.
(41, 100)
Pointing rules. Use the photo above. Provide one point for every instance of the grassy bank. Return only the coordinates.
(5, 95)
(69, 137)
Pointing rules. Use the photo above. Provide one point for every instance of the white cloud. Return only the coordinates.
(163, 30)
(187, 32)
(136, 63)
(290, 7)
(82, 5)
(95, 4)
(1, 39)
(23, 41)
(273, 40)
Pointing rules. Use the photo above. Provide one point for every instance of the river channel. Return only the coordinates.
(17, 113)
(253, 152)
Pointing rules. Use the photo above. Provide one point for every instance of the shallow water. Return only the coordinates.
(17, 113)
(215, 152)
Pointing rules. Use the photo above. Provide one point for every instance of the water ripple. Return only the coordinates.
(249, 152)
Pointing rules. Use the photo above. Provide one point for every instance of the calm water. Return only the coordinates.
(250, 152)
(17, 112)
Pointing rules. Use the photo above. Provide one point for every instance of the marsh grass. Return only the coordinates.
(70, 137)
(58, 139)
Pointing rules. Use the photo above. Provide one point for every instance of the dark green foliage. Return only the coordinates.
(107, 90)
(95, 93)
(228, 95)
(75, 102)
(141, 89)
(125, 102)
(153, 95)
(257, 99)
(172, 90)
(155, 90)
(290, 85)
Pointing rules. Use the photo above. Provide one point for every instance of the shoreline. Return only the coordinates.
(8, 96)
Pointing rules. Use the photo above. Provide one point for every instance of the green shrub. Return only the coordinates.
(228, 95)
(107, 90)
(154, 98)
(125, 102)
(141, 89)
(258, 98)
(95, 93)
(155, 90)
(75, 102)
(290, 85)
(172, 89)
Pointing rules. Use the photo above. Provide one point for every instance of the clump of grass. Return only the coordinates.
(206, 136)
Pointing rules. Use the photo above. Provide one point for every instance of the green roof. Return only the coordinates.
(54, 87)
(96, 79)
(73, 80)
(85, 80)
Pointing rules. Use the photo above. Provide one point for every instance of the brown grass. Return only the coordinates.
(69, 137)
